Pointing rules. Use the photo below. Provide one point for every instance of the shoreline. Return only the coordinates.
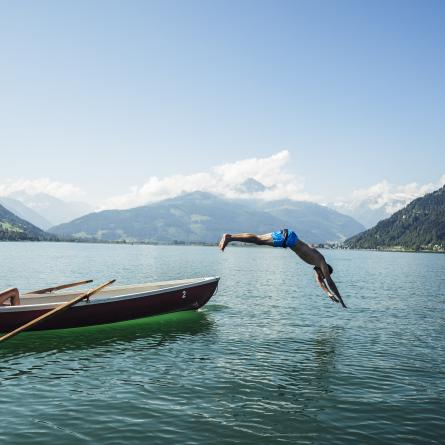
(180, 243)
(394, 250)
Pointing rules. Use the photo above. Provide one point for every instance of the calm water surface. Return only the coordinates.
(270, 360)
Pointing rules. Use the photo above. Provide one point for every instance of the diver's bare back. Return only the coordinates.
(308, 254)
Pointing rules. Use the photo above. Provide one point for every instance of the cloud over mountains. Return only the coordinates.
(41, 185)
(268, 179)
(261, 178)
(385, 194)
(381, 200)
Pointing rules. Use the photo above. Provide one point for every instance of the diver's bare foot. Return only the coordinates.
(224, 241)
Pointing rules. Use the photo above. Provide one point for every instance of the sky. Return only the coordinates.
(117, 103)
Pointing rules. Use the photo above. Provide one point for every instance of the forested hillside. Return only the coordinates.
(419, 225)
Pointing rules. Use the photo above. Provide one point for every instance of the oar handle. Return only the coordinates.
(62, 286)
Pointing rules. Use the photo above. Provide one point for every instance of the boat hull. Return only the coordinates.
(115, 310)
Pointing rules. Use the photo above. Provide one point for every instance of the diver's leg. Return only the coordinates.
(250, 238)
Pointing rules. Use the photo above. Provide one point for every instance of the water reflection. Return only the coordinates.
(151, 332)
(325, 354)
(315, 356)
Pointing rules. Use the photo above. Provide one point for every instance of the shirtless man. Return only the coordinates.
(288, 238)
(12, 295)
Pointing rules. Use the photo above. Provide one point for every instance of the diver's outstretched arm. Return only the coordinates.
(331, 284)
(325, 289)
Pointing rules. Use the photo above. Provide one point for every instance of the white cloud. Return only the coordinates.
(388, 196)
(226, 180)
(41, 185)
(223, 180)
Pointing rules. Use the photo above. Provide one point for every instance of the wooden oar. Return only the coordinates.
(62, 286)
(57, 310)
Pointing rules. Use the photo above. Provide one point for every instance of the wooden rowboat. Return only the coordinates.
(117, 303)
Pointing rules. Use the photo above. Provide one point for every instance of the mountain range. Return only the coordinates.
(203, 217)
(13, 228)
(419, 225)
(43, 210)
(27, 213)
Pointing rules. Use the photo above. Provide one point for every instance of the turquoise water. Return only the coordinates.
(270, 360)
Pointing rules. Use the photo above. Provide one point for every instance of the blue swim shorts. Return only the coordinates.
(280, 239)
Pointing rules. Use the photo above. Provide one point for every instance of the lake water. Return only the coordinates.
(270, 360)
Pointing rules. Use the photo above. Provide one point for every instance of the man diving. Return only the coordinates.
(288, 238)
